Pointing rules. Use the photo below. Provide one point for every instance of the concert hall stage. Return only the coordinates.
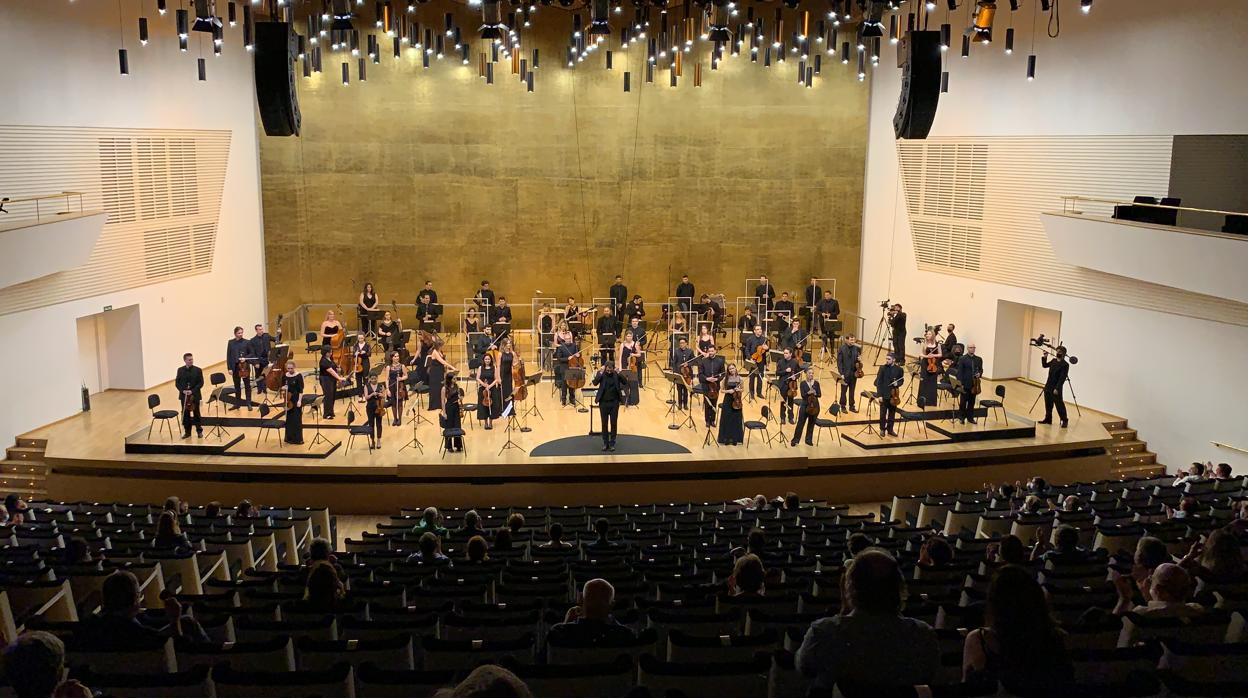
(106, 454)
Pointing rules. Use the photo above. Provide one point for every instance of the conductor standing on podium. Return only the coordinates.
(611, 387)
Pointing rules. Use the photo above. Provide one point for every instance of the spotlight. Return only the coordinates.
(206, 19)
(1085, 6)
(872, 19)
(161, 6)
(492, 26)
(719, 22)
(182, 21)
(124, 63)
(1009, 41)
(599, 18)
(981, 27)
(1031, 67)
(340, 16)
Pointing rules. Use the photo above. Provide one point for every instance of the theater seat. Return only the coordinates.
(683, 647)
(1204, 629)
(336, 682)
(719, 679)
(577, 681)
(391, 653)
(467, 654)
(273, 654)
(183, 684)
(373, 682)
(1204, 662)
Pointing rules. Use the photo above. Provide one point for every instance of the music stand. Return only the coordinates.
(677, 379)
(500, 330)
(509, 411)
(315, 404)
(415, 440)
(217, 429)
(592, 393)
(532, 381)
(417, 408)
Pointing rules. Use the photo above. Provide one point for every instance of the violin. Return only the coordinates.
(712, 389)
(858, 372)
(273, 379)
(975, 386)
(812, 404)
(486, 401)
(380, 410)
(519, 391)
(359, 362)
(736, 398)
(760, 353)
(932, 366)
(793, 389)
(894, 397)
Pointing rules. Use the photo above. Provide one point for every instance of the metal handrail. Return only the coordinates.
(1069, 199)
(1219, 444)
(66, 195)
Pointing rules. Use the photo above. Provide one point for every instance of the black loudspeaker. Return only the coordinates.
(275, 78)
(919, 58)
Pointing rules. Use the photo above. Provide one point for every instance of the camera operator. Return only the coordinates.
(897, 321)
(1055, 385)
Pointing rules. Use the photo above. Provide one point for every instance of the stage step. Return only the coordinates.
(1149, 470)
(1123, 447)
(1123, 434)
(1115, 424)
(1141, 458)
(23, 467)
(24, 453)
(10, 482)
(29, 442)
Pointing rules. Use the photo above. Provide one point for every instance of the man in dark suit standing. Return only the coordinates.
(765, 293)
(890, 376)
(619, 298)
(685, 292)
(611, 387)
(814, 294)
(1054, 387)
(238, 359)
(847, 356)
(261, 343)
(968, 368)
(710, 373)
(897, 322)
(190, 383)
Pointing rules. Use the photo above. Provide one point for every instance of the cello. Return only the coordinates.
(273, 379)
(338, 346)
(519, 391)
(574, 375)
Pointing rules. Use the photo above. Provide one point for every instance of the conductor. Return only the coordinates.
(611, 387)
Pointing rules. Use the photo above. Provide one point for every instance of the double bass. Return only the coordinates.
(274, 377)
(519, 391)
(338, 346)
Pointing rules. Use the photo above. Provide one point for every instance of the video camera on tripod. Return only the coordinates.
(1047, 347)
(885, 304)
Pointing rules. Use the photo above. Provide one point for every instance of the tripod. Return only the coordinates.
(1073, 398)
(883, 333)
(417, 410)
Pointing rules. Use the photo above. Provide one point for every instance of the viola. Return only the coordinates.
(812, 404)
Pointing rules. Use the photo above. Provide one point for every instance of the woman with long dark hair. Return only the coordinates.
(1020, 645)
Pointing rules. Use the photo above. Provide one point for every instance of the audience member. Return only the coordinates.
(603, 541)
(756, 503)
(936, 553)
(1194, 473)
(77, 552)
(502, 539)
(870, 643)
(120, 622)
(857, 543)
(320, 550)
(554, 534)
(515, 522)
(1169, 589)
(1218, 560)
(1066, 548)
(323, 592)
(487, 681)
(1039, 487)
(176, 505)
(792, 502)
(1032, 504)
(748, 576)
(1020, 646)
(1188, 507)
(34, 666)
(1009, 551)
(1072, 502)
(246, 510)
(477, 551)
(15, 508)
(212, 510)
(589, 623)
(429, 550)
(169, 535)
(430, 522)
(472, 526)
(1222, 471)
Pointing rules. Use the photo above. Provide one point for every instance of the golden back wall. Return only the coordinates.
(430, 173)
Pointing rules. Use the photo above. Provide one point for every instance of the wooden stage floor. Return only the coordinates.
(88, 459)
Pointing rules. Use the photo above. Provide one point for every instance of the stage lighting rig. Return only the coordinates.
(206, 19)
(980, 30)
(873, 19)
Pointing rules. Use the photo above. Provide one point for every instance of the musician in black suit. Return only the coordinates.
(847, 356)
(784, 308)
(897, 322)
(238, 358)
(611, 388)
(428, 290)
(765, 293)
(1054, 386)
(890, 376)
(967, 369)
(749, 344)
(425, 310)
(827, 309)
(618, 293)
(261, 345)
(814, 294)
(681, 355)
(605, 328)
(795, 338)
(685, 291)
(190, 383)
(787, 368)
(710, 374)
(501, 315)
(363, 351)
(484, 299)
(950, 343)
(809, 389)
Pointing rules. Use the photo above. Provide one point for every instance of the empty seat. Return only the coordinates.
(579, 681)
(332, 683)
(1207, 628)
(1204, 662)
(153, 657)
(182, 684)
(683, 647)
(373, 682)
(605, 652)
(466, 654)
(721, 679)
(272, 654)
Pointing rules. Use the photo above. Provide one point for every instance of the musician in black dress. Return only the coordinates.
(612, 389)
(507, 357)
(396, 387)
(847, 357)
(814, 294)
(765, 293)
(329, 378)
(639, 336)
(500, 324)
(375, 409)
(389, 330)
(436, 367)
(890, 376)
(684, 293)
(293, 382)
(238, 358)
(1055, 386)
(787, 371)
(361, 352)
(605, 328)
(731, 421)
(749, 348)
(488, 383)
(968, 368)
(190, 382)
(827, 310)
(261, 345)
(809, 390)
(681, 355)
(630, 363)
(710, 372)
(450, 411)
(618, 293)
(930, 357)
(367, 302)
(897, 323)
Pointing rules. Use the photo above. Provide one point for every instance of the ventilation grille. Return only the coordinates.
(974, 209)
(160, 188)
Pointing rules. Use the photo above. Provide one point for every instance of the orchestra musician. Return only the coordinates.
(261, 345)
(292, 384)
(706, 340)
(814, 294)
(847, 357)
(968, 368)
(506, 360)
(787, 368)
(639, 332)
(437, 367)
(375, 399)
(930, 356)
(605, 327)
(795, 339)
(472, 322)
(747, 321)
(329, 327)
(765, 293)
(1054, 386)
(827, 310)
(565, 348)
(426, 310)
(484, 299)
(238, 356)
(450, 411)
(784, 308)
(951, 343)
(329, 378)
(684, 293)
(362, 352)
(678, 329)
(489, 382)
(681, 355)
(749, 347)
(897, 324)
(571, 315)
(190, 382)
(502, 316)
(890, 376)
(389, 331)
(710, 371)
(635, 309)
(630, 349)
(366, 302)
(546, 333)
(809, 388)
(618, 293)
(428, 290)
(731, 421)
(396, 377)
(612, 389)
